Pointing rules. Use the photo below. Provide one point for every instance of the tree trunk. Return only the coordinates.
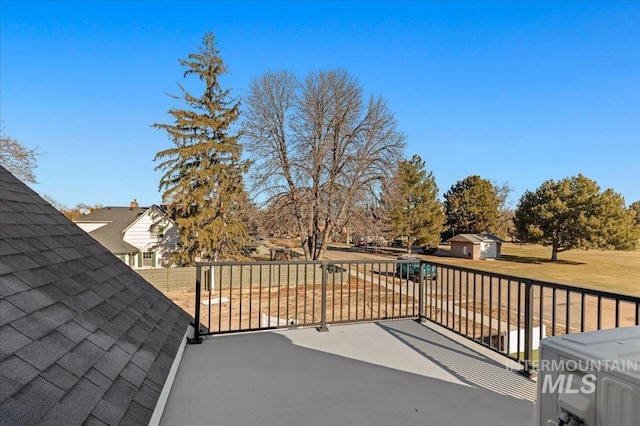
(554, 253)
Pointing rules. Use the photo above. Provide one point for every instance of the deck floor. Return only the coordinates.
(387, 373)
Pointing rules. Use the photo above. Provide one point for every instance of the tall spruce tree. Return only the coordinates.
(412, 204)
(203, 173)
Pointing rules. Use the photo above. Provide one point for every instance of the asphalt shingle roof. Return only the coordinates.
(117, 219)
(83, 338)
(475, 238)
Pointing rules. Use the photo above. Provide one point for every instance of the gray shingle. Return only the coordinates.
(6, 249)
(45, 351)
(70, 286)
(147, 397)
(12, 341)
(102, 339)
(52, 258)
(98, 379)
(116, 303)
(120, 394)
(133, 374)
(59, 313)
(144, 357)
(113, 362)
(119, 325)
(76, 405)
(10, 412)
(35, 325)
(105, 309)
(60, 377)
(8, 312)
(73, 331)
(10, 284)
(39, 395)
(18, 413)
(79, 360)
(152, 385)
(15, 374)
(91, 320)
(92, 421)
(31, 300)
(18, 262)
(107, 413)
(128, 344)
(136, 415)
(88, 299)
(36, 277)
(160, 368)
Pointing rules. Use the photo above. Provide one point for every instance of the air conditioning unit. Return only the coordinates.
(590, 379)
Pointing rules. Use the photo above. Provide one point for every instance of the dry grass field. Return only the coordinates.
(615, 271)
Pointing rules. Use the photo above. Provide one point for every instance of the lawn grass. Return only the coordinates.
(615, 271)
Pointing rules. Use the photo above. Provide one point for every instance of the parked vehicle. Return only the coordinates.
(411, 269)
(397, 243)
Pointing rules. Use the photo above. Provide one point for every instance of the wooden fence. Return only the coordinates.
(169, 279)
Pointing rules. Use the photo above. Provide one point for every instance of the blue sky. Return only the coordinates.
(514, 92)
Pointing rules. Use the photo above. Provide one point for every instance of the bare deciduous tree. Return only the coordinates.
(18, 159)
(318, 145)
(505, 227)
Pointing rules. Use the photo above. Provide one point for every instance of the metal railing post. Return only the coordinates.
(421, 285)
(196, 326)
(528, 329)
(323, 308)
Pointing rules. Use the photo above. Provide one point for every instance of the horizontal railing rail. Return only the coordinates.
(507, 314)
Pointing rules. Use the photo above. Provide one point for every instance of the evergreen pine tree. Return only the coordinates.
(472, 206)
(203, 173)
(573, 213)
(413, 207)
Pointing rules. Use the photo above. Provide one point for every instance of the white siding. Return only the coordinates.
(142, 236)
(489, 250)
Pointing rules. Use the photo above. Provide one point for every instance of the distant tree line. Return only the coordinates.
(325, 159)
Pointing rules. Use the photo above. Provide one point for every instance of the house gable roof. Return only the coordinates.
(148, 212)
(117, 219)
(475, 238)
(84, 338)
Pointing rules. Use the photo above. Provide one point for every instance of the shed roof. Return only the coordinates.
(84, 338)
(475, 238)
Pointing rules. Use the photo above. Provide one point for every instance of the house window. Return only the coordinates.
(147, 259)
(157, 231)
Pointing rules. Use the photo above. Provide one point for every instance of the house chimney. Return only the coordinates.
(134, 204)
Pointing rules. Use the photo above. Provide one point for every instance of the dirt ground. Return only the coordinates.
(296, 305)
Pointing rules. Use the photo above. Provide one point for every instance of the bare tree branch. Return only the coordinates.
(18, 159)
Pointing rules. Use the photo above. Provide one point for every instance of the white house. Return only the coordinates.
(142, 237)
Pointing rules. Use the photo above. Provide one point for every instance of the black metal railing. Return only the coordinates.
(510, 315)
(507, 314)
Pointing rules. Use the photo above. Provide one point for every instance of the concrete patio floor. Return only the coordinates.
(386, 373)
